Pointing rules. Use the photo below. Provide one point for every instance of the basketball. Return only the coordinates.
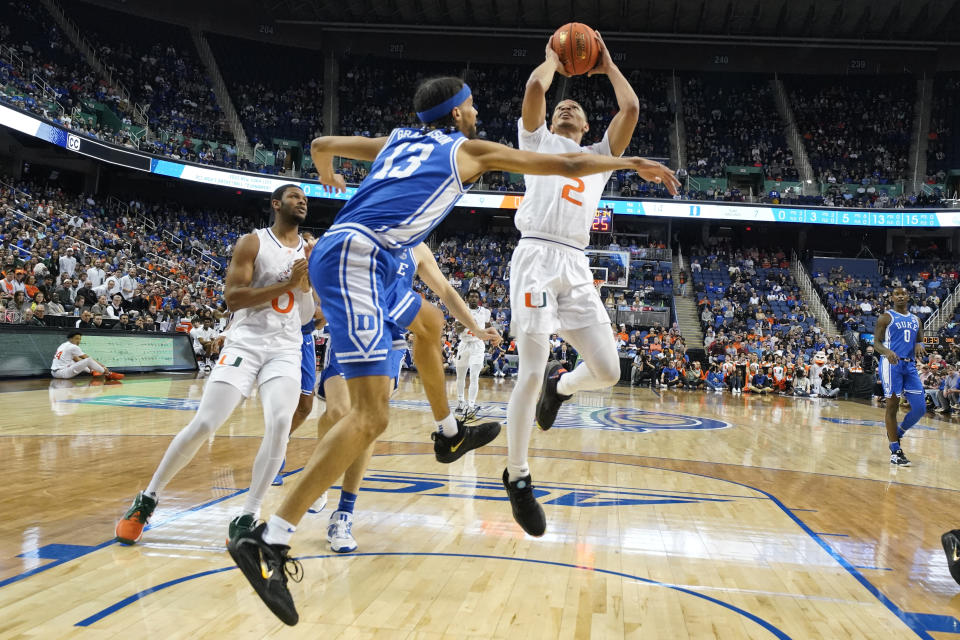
(577, 46)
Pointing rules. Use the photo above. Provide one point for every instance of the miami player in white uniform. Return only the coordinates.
(551, 286)
(268, 289)
(470, 355)
(417, 176)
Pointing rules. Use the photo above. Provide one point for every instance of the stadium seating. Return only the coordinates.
(856, 130)
(732, 120)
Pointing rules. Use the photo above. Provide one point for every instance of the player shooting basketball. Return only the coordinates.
(552, 287)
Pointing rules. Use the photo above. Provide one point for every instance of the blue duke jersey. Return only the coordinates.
(412, 186)
(901, 334)
(901, 338)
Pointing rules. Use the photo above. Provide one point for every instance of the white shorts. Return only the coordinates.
(243, 367)
(551, 289)
(470, 355)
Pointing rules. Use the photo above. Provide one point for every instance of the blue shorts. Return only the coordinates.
(332, 368)
(899, 378)
(352, 276)
(308, 365)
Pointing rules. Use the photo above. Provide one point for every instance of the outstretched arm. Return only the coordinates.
(324, 148)
(476, 157)
(430, 273)
(623, 124)
(534, 110)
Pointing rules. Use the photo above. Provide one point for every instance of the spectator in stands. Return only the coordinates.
(34, 317)
(18, 303)
(85, 321)
(642, 371)
(55, 308)
(115, 308)
(101, 306)
(96, 274)
(714, 380)
(66, 293)
(205, 344)
(123, 323)
(565, 355)
(128, 285)
(86, 297)
(68, 263)
(693, 376)
(669, 376)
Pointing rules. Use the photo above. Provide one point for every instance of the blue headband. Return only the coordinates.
(444, 107)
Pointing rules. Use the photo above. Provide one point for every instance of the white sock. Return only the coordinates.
(278, 531)
(448, 426)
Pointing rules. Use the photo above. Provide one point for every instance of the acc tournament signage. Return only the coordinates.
(134, 159)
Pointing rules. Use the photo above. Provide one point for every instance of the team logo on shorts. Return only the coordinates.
(235, 363)
(533, 301)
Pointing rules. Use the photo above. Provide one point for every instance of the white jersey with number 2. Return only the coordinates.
(554, 207)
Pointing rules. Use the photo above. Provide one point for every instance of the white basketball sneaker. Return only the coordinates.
(319, 505)
(339, 533)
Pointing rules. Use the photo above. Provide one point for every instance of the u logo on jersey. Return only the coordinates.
(363, 322)
(533, 301)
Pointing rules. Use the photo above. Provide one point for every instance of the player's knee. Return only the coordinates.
(428, 323)
(371, 424)
(606, 371)
(336, 413)
(304, 407)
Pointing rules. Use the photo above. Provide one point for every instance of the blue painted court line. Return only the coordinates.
(918, 623)
(872, 568)
(836, 535)
(777, 633)
(811, 510)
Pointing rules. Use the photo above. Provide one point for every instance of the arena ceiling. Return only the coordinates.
(915, 21)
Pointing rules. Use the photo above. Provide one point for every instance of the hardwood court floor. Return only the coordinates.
(681, 515)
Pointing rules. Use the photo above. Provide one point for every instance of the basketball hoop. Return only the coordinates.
(598, 284)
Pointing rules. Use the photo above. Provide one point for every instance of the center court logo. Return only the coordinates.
(603, 419)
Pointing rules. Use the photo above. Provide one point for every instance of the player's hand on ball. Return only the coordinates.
(655, 172)
(334, 183)
(604, 62)
(299, 275)
(490, 335)
(551, 56)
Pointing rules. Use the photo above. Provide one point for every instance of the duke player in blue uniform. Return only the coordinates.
(426, 323)
(902, 336)
(416, 178)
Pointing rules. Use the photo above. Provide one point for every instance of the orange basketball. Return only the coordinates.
(577, 47)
